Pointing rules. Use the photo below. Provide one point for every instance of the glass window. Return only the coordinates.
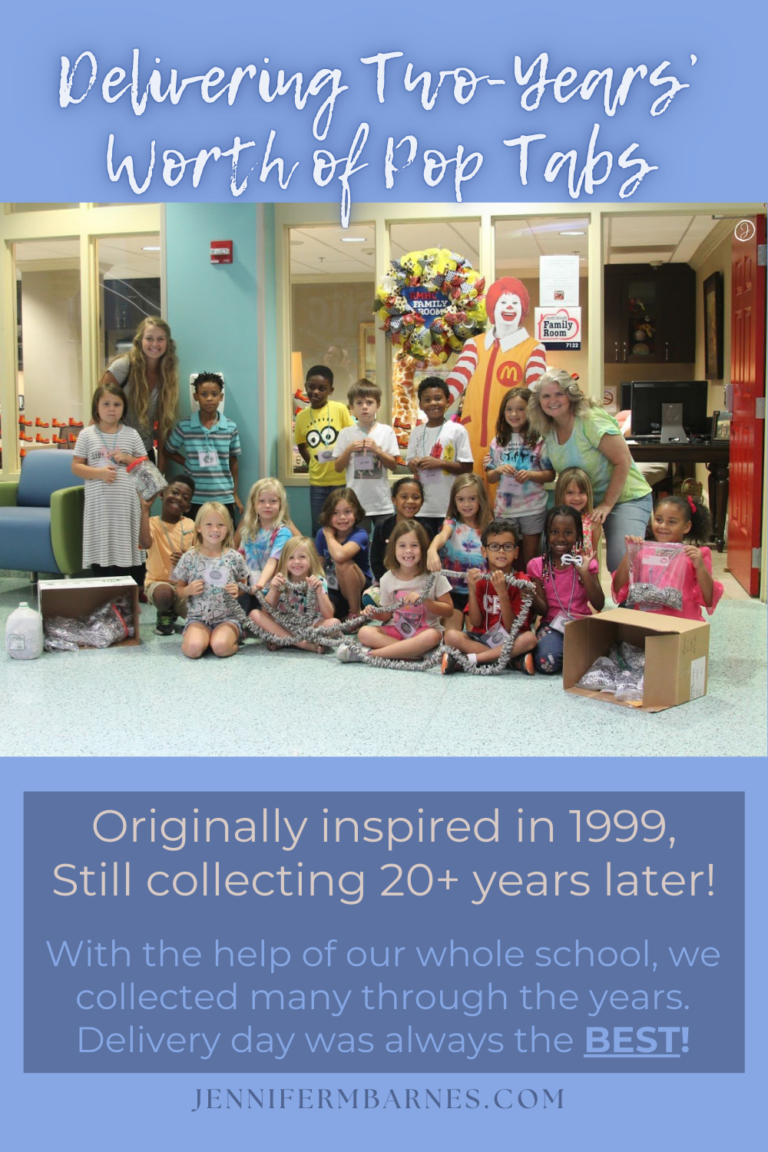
(461, 237)
(129, 290)
(50, 354)
(519, 245)
(332, 287)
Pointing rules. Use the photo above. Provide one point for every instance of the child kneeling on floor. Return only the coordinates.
(493, 606)
(166, 538)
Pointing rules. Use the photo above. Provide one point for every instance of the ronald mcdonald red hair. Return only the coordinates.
(498, 288)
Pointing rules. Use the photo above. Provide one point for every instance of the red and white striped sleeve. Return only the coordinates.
(536, 366)
(465, 367)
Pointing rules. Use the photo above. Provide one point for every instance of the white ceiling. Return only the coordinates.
(120, 257)
(323, 250)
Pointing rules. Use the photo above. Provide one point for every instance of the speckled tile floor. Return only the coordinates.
(150, 699)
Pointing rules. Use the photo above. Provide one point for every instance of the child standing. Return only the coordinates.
(316, 431)
(574, 489)
(166, 537)
(679, 520)
(410, 629)
(263, 533)
(565, 590)
(407, 498)
(343, 547)
(438, 452)
(458, 546)
(516, 461)
(207, 445)
(299, 564)
(367, 451)
(102, 454)
(208, 576)
(493, 606)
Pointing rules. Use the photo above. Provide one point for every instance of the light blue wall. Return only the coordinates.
(212, 311)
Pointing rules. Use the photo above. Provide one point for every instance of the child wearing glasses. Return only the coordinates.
(493, 606)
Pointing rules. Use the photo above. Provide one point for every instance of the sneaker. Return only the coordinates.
(349, 655)
(449, 664)
(165, 622)
(524, 664)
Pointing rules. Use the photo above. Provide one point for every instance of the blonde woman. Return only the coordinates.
(149, 376)
(579, 434)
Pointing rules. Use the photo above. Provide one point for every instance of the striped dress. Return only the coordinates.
(112, 511)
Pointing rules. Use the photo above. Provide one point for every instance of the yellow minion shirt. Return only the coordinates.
(319, 428)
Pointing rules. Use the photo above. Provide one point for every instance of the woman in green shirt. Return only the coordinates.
(579, 434)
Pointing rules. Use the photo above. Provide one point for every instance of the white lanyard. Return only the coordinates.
(563, 609)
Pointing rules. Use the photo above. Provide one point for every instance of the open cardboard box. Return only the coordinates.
(676, 655)
(75, 598)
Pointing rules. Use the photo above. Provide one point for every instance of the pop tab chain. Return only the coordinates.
(295, 624)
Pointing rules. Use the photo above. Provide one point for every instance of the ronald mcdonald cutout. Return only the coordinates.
(503, 357)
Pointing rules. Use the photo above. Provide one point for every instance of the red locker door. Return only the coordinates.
(748, 379)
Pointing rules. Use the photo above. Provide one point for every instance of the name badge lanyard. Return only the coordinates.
(106, 451)
(183, 534)
(563, 609)
(208, 433)
(435, 442)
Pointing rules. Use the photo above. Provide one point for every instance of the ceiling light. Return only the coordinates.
(573, 232)
(354, 239)
(150, 248)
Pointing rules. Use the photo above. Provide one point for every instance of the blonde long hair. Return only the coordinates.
(250, 523)
(168, 384)
(218, 510)
(293, 545)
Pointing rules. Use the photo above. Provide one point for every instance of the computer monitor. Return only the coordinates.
(650, 407)
(625, 396)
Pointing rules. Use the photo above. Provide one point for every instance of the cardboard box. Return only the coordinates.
(75, 598)
(676, 655)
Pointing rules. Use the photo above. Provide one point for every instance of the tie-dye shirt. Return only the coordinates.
(462, 552)
(513, 498)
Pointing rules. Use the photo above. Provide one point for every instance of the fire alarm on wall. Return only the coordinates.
(221, 251)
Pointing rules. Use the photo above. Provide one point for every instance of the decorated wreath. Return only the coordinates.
(431, 302)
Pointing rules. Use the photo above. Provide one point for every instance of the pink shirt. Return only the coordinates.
(564, 591)
(693, 601)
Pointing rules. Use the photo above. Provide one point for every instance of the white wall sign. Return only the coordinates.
(558, 281)
(559, 328)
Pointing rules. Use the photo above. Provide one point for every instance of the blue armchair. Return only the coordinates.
(41, 516)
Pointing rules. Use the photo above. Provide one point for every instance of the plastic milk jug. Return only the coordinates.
(24, 633)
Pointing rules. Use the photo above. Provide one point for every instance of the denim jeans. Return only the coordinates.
(627, 519)
(548, 653)
(318, 494)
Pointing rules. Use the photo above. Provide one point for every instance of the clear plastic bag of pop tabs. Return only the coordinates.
(106, 625)
(620, 672)
(656, 575)
(150, 481)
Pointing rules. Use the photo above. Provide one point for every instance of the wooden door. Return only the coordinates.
(748, 380)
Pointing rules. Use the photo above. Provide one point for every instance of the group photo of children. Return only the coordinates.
(428, 557)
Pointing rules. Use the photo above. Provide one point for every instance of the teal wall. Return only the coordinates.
(212, 311)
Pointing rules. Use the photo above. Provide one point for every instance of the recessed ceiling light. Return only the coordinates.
(354, 239)
(573, 232)
(150, 248)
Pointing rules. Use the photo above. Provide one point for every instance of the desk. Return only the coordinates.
(715, 455)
